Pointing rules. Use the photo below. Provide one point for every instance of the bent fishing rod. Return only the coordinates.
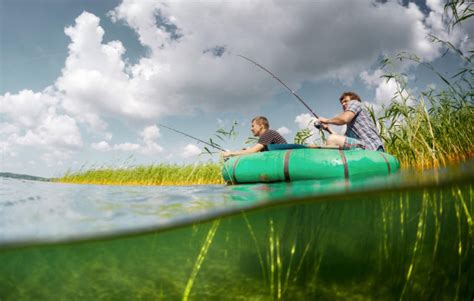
(189, 136)
(284, 85)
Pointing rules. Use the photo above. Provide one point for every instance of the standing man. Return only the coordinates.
(361, 131)
(260, 128)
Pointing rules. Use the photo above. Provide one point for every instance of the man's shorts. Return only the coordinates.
(353, 143)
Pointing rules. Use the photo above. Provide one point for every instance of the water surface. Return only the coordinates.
(406, 236)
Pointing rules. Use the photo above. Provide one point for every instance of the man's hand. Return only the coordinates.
(226, 154)
(320, 125)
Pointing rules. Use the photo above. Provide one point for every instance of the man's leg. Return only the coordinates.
(336, 140)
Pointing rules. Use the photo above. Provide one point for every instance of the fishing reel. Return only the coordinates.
(317, 124)
(320, 126)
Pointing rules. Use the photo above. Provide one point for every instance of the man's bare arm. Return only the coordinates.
(254, 149)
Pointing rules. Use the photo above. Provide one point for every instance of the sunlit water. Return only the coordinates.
(405, 236)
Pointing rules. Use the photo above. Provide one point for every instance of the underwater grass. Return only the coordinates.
(161, 174)
(396, 245)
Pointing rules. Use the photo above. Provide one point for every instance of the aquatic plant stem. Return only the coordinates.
(259, 254)
(200, 258)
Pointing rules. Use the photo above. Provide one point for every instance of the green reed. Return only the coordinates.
(428, 131)
(160, 174)
(433, 128)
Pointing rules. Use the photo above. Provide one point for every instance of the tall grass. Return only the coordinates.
(161, 174)
(430, 130)
(434, 128)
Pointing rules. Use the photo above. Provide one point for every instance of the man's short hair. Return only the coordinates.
(262, 121)
(352, 95)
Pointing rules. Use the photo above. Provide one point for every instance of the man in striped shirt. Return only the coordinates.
(361, 131)
(260, 128)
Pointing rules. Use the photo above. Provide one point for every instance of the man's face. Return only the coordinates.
(345, 102)
(256, 129)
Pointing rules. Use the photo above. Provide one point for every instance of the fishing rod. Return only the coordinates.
(202, 141)
(281, 82)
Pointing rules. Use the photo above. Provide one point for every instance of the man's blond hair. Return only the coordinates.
(262, 121)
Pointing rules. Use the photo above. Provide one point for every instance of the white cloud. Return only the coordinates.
(8, 128)
(102, 146)
(26, 107)
(386, 91)
(147, 145)
(149, 136)
(6, 149)
(56, 157)
(192, 63)
(190, 56)
(33, 121)
(304, 120)
(151, 148)
(52, 131)
(190, 151)
(283, 130)
(373, 79)
(150, 133)
(127, 147)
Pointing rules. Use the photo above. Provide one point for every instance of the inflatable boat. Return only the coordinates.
(302, 163)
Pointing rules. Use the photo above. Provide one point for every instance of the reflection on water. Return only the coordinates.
(31, 210)
(408, 236)
(44, 211)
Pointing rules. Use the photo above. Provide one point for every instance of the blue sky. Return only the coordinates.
(85, 82)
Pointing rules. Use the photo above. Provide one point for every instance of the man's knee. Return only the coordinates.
(335, 140)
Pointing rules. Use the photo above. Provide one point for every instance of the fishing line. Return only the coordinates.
(192, 137)
(284, 85)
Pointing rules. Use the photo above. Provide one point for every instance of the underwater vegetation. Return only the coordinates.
(413, 244)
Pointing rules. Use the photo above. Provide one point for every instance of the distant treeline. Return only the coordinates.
(23, 177)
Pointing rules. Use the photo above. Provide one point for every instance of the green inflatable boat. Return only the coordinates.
(296, 164)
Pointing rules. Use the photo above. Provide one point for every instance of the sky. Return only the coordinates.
(85, 84)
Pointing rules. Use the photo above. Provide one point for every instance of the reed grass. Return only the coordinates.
(160, 174)
(434, 128)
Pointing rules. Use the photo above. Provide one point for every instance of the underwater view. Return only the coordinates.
(408, 236)
(135, 163)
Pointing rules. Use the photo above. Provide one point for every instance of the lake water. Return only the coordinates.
(407, 236)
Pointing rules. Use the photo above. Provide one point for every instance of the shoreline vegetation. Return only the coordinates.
(431, 130)
(160, 174)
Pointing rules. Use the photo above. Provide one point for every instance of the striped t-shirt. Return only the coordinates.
(362, 127)
(271, 137)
